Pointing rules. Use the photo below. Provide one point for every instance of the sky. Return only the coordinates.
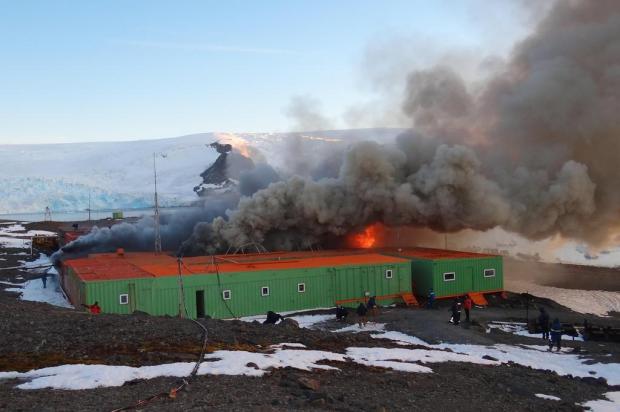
(77, 71)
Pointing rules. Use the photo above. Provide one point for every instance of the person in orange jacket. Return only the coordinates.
(467, 303)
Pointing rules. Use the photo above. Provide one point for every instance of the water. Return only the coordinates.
(76, 216)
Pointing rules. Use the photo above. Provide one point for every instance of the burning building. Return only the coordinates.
(228, 286)
(234, 285)
(452, 273)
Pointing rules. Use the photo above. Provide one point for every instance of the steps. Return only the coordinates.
(409, 299)
(478, 299)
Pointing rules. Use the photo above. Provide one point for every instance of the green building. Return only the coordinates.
(453, 273)
(233, 285)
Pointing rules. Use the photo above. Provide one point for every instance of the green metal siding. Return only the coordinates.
(323, 286)
(469, 275)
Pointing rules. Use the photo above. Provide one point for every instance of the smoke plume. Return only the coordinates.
(535, 150)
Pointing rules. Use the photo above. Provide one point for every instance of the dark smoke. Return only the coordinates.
(536, 151)
(175, 227)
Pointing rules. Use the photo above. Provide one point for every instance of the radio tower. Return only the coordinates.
(157, 232)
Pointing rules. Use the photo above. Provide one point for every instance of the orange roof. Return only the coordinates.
(111, 266)
(434, 254)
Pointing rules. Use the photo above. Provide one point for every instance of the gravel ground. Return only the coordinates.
(36, 335)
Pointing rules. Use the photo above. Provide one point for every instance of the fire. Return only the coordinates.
(365, 239)
(238, 143)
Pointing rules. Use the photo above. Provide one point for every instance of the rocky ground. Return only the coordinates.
(35, 335)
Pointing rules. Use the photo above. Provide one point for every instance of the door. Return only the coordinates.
(132, 297)
(200, 303)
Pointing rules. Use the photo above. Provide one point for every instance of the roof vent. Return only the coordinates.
(120, 251)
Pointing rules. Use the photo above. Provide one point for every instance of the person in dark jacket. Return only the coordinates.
(372, 305)
(467, 304)
(342, 313)
(431, 298)
(272, 318)
(44, 280)
(456, 312)
(556, 334)
(543, 322)
(362, 311)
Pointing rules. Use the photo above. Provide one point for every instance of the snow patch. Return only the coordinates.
(548, 397)
(75, 377)
(596, 302)
(369, 327)
(611, 404)
(33, 290)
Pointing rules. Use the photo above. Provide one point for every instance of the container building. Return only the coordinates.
(234, 285)
(453, 273)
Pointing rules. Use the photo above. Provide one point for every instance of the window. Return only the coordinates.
(449, 276)
(264, 291)
(301, 287)
(226, 295)
(123, 299)
(389, 274)
(489, 273)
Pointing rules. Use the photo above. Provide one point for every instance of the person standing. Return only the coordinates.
(543, 322)
(44, 280)
(431, 298)
(467, 304)
(372, 305)
(556, 334)
(456, 312)
(362, 310)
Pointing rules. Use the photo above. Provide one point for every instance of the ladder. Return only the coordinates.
(409, 299)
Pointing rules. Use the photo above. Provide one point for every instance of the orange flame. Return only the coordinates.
(365, 239)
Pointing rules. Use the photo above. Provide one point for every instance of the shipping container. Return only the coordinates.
(452, 273)
(234, 286)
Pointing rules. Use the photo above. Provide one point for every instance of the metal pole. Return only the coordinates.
(181, 298)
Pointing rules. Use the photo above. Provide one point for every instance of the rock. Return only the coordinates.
(251, 365)
(309, 383)
(491, 358)
(318, 402)
(290, 323)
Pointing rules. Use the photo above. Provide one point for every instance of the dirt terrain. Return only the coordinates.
(35, 335)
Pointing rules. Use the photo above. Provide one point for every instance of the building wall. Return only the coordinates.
(73, 287)
(323, 287)
(468, 276)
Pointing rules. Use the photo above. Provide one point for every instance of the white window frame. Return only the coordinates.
(125, 297)
(449, 273)
(226, 292)
(301, 288)
(484, 273)
(389, 274)
(262, 291)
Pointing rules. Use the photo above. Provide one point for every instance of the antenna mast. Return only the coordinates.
(157, 232)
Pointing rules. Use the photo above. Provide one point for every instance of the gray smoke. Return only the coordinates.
(535, 150)
(175, 227)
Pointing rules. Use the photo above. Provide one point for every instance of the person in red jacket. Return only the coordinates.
(467, 306)
(95, 309)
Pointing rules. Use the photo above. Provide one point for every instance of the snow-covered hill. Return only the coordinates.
(119, 175)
